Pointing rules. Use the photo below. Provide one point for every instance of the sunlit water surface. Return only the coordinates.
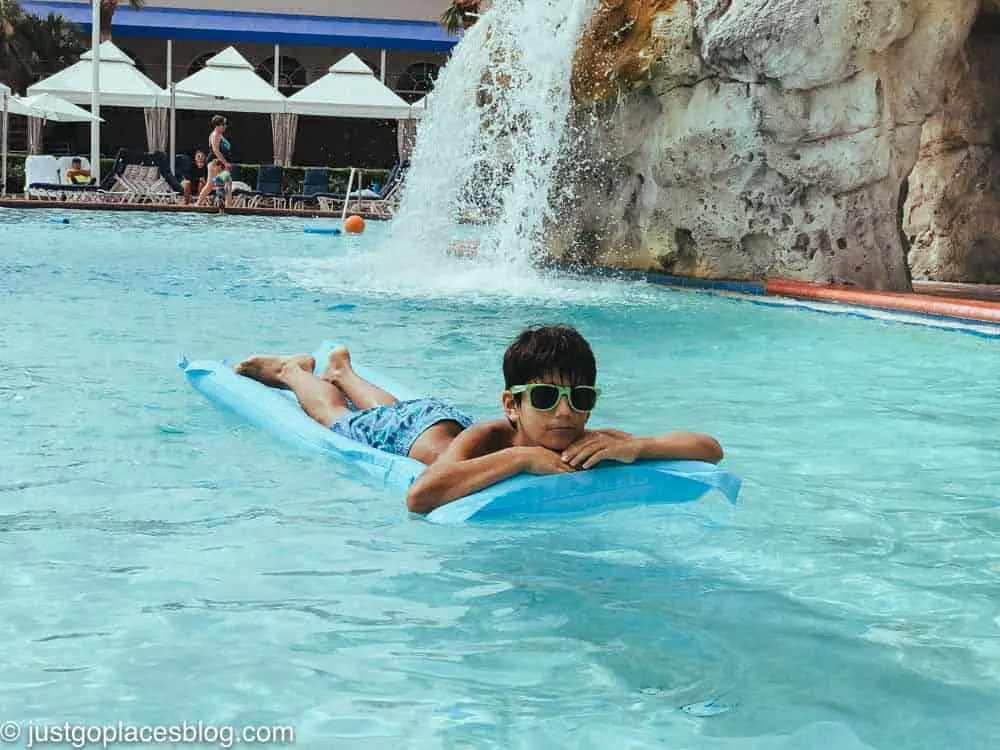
(160, 562)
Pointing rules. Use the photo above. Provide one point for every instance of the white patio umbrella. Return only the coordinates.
(47, 107)
(53, 108)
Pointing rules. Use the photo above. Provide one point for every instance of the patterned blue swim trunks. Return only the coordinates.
(394, 428)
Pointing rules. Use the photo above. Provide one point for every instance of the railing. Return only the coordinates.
(347, 195)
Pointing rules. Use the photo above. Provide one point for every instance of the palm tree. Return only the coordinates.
(47, 45)
(10, 13)
(108, 8)
(10, 46)
(461, 14)
(32, 48)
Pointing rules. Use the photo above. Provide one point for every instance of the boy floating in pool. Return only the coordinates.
(550, 390)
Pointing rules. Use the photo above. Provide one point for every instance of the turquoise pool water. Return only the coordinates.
(161, 563)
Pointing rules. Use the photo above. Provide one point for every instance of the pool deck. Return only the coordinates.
(972, 307)
(968, 308)
(928, 301)
(180, 208)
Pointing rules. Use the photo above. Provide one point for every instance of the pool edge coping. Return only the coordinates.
(957, 314)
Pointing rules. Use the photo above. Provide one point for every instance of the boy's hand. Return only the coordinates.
(538, 460)
(595, 447)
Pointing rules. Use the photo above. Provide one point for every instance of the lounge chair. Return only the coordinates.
(315, 186)
(132, 184)
(77, 191)
(158, 188)
(182, 165)
(386, 204)
(381, 204)
(396, 175)
(269, 189)
(140, 177)
(42, 180)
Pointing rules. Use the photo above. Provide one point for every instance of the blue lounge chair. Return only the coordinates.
(269, 189)
(316, 185)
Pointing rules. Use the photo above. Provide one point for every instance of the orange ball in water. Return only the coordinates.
(354, 225)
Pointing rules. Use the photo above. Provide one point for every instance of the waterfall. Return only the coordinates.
(492, 136)
(478, 194)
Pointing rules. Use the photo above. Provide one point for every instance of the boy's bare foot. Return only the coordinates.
(270, 369)
(337, 365)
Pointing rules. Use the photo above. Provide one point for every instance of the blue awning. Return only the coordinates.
(270, 28)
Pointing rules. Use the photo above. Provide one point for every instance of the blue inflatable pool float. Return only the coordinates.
(322, 230)
(607, 486)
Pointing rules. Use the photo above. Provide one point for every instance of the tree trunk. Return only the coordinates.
(108, 8)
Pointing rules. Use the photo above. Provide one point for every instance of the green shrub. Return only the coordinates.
(15, 174)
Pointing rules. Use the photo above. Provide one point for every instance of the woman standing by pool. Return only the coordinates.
(219, 165)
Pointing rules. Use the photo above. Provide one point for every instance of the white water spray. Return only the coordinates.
(492, 137)
(481, 175)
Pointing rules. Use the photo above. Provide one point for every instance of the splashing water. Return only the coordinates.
(378, 273)
(491, 139)
(477, 197)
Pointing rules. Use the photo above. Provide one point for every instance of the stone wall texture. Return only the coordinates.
(756, 138)
(952, 213)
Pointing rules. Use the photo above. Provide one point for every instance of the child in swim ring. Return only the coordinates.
(550, 391)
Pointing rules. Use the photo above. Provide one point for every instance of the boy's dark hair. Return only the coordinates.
(76, 160)
(544, 350)
(218, 120)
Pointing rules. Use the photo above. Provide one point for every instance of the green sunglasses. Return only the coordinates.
(545, 396)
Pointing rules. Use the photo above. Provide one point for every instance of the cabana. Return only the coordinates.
(349, 89)
(122, 85)
(227, 83)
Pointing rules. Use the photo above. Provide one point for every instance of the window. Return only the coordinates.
(416, 81)
(291, 74)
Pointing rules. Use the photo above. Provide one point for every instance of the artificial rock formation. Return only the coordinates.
(755, 138)
(952, 213)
